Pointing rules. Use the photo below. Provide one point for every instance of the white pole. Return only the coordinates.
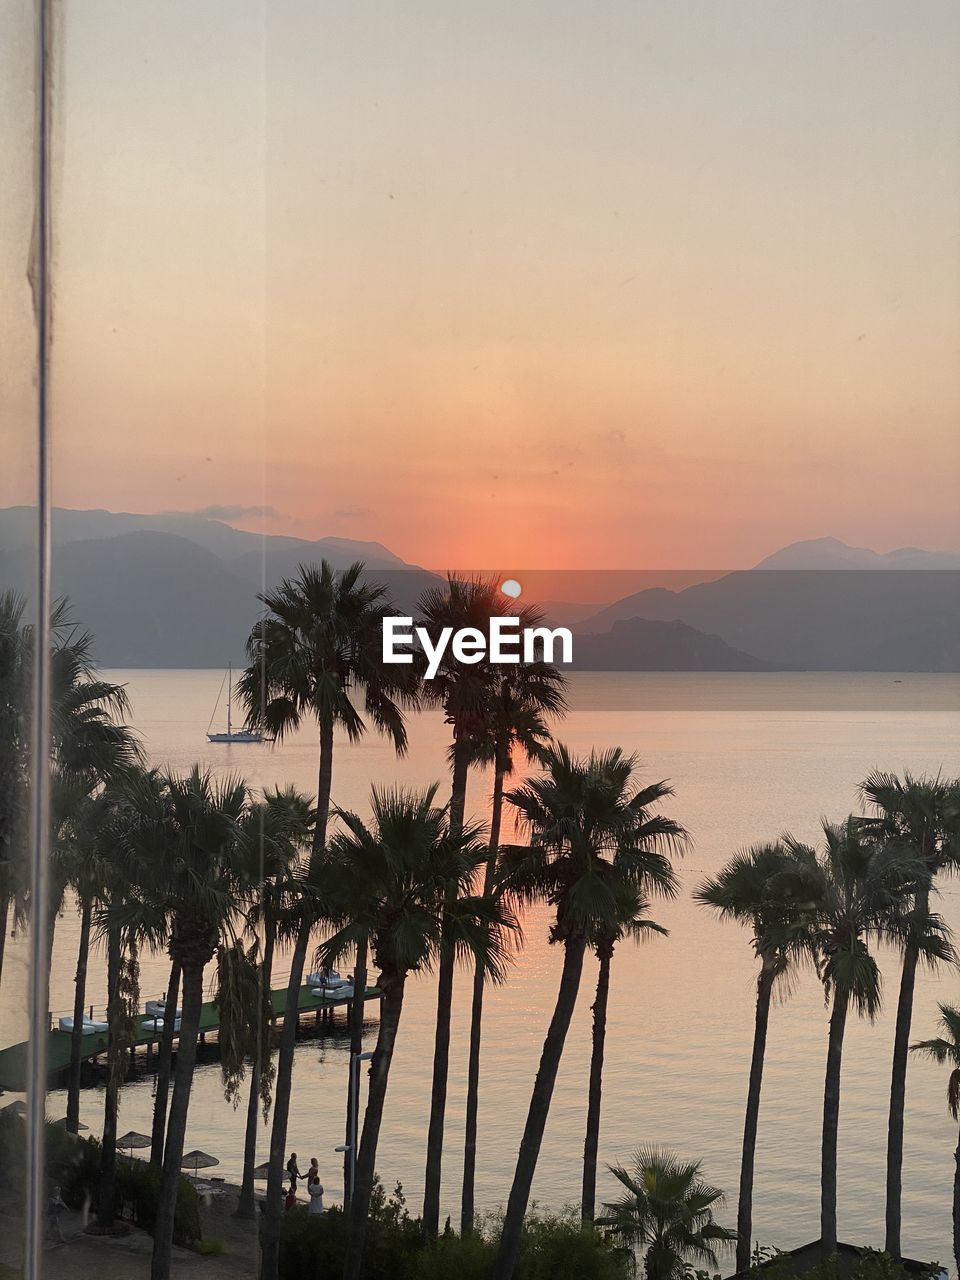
(229, 698)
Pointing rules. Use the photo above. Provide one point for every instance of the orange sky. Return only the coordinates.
(605, 285)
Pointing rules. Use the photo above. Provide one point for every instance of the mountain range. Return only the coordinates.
(180, 590)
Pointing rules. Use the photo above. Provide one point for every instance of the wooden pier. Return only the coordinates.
(13, 1060)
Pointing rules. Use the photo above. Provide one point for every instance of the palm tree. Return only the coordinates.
(643, 833)
(749, 890)
(402, 886)
(862, 892)
(515, 720)
(161, 1097)
(634, 923)
(668, 1212)
(91, 746)
(945, 1050)
(581, 824)
(15, 664)
(317, 648)
(278, 828)
(188, 835)
(114, 872)
(465, 693)
(922, 816)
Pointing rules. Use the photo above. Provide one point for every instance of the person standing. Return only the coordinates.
(315, 1192)
(293, 1172)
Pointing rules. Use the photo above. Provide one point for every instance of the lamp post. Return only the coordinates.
(354, 1087)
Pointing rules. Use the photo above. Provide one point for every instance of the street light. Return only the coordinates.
(354, 1087)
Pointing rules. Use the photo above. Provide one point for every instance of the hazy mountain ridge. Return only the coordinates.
(173, 590)
(637, 644)
(816, 619)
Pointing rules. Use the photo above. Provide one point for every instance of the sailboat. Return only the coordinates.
(232, 734)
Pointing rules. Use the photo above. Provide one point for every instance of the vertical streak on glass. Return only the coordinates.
(40, 790)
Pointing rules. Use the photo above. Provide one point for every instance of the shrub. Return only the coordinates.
(467, 1258)
(138, 1188)
(312, 1246)
(559, 1247)
(210, 1248)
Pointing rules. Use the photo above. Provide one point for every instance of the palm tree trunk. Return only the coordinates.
(108, 1149)
(247, 1204)
(467, 1210)
(831, 1124)
(4, 916)
(441, 1044)
(591, 1144)
(76, 1035)
(164, 1065)
(509, 1249)
(356, 1046)
(956, 1207)
(177, 1123)
(898, 1086)
(270, 1226)
(392, 1007)
(765, 981)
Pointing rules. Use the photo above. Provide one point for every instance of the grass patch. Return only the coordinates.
(206, 1248)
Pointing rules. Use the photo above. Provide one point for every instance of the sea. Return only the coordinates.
(749, 756)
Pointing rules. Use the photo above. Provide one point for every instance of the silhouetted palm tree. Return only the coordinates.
(644, 832)
(317, 654)
(758, 888)
(945, 1049)
(578, 823)
(465, 692)
(15, 672)
(862, 891)
(515, 721)
(668, 1212)
(636, 925)
(403, 886)
(278, 829)
(189, 834)
(922, 816)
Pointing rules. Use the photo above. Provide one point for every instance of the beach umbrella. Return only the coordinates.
(197, 1160)
(262, 1172)
(134, 1140)
(81, 1127)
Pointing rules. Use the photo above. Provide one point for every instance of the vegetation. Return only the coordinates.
(199, 868)
(668, 1212)
(757, 888)
(403, 888)
(314, 652)
(945, 1050)
(586, 858)
(921, 816)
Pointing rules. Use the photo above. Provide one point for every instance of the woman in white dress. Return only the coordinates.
(315, 1192)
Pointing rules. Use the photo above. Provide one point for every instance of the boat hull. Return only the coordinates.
(239, 736)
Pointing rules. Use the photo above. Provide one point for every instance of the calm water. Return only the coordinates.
(749, 756)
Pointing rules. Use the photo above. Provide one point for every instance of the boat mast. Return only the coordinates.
(229, 697)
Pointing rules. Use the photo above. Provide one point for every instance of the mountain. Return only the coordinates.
(176, 591)
(636, 644)
(18, 526)
(833, 618)
(830, 553)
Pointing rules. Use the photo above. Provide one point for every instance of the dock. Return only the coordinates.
(13, 1059)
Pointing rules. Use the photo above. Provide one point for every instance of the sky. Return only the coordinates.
(606, 285)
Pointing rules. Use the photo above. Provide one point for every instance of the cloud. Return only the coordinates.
(236, 513)
(352, 513)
